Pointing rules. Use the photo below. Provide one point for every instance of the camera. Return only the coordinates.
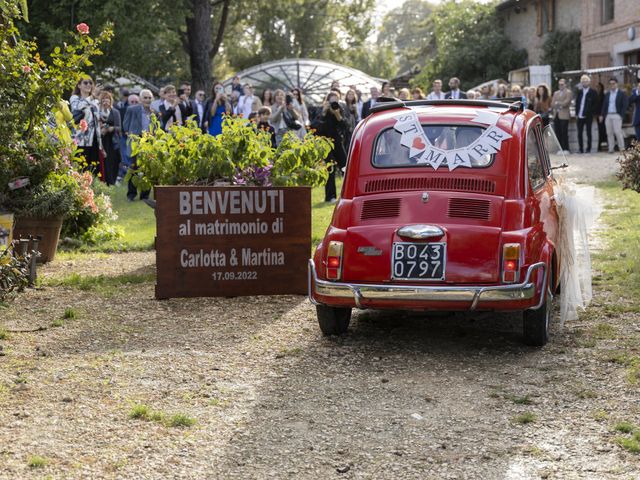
(335, 105)
(288, 99)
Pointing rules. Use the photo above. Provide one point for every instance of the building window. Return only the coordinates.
(607, 11)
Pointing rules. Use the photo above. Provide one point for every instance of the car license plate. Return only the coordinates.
(418, 261)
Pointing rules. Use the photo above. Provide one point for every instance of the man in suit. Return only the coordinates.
(586, 100)
(613, 108)
(198, 109)
(137, 119)
(560, 102)
(455, 93)
(373, 99)
(634, 99)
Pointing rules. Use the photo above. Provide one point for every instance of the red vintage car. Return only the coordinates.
(445, 205)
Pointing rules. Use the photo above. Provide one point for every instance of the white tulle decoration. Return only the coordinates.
(576, 208)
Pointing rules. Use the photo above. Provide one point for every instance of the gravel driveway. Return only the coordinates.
(400, 396)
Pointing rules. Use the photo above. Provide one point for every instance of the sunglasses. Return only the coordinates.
(87, 82)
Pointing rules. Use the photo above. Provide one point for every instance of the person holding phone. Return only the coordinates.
(282, 103)
(216, 107)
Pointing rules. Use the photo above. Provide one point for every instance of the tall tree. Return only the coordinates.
(198, 38)
(409, 31)
(470, 44)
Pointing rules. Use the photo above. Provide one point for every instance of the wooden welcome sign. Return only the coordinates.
(232, 241)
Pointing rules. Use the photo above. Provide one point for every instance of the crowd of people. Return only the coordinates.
(104, 124)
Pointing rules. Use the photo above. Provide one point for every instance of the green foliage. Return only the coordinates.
(525, 418)
(470, 44)
(408, 29)
(144, 412)
(35, 141)
(629, 173)
(624, 427)
(561, 50)
(186, 156)
(70, 313)
(36, 461)
(146, 38)
(14, 273)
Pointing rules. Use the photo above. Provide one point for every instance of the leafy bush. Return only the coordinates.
(629, 173)
(240, 155)
(14, 273)
(561, 50)
(35, 141)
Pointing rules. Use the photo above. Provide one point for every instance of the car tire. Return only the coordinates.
(536, 323)
(333, 320)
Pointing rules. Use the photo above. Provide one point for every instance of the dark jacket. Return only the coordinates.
(590, 103)
(621, 104)
(194, 113)
(366, 109)
(462, 95)
(132, 124)
(634, 99)
(170, 113)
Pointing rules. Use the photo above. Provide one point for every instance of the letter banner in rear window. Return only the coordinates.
(410, 143)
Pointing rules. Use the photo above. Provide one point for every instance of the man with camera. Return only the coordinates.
(334, 124)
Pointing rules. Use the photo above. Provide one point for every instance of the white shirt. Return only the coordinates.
(245, 105)
(200, 107)
(455, 94)
(584, 97)
(435, 96)
(178, 114)
(612, 101)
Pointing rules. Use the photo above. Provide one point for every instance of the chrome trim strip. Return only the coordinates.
(472, 294)
(420, 231)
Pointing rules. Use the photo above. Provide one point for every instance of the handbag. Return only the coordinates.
(290, 121)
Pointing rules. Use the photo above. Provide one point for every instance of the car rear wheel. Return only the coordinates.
(333, 320)
(536, 323)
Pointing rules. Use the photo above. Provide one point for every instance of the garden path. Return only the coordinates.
(397, 397)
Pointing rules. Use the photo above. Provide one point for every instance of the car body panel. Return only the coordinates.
(477, 209)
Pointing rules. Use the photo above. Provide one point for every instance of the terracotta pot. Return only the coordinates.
(47, 228)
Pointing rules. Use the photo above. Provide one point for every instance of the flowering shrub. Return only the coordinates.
(629, 173)
(32, 143)
(240, 155)
(35, 143)
(91, 215)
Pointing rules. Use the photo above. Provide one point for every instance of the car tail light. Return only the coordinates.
(334, 260)
(510, 262)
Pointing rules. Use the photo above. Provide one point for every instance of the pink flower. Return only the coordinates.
(82, 28)
(26, 69)
(84, 125)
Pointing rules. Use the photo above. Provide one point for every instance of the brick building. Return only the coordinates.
(610, 29)
(528, 23)
(611, 35)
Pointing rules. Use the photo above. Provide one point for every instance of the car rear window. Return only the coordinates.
(389, 152)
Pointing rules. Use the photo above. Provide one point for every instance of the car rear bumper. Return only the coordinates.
(365, 295)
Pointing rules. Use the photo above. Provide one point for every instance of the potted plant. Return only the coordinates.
(37, 156)
(241, 155)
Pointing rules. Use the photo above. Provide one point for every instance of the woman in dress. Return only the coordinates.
(87, 132)
(110, 130)
(542, 104)
(300, 105)
(216, 107)
(280, 106)
(267, 98)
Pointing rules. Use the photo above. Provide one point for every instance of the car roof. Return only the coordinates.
(388, 108)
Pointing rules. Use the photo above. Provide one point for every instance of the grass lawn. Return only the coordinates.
(617, 266)
(139, 223)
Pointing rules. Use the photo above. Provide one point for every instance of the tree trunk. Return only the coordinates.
(198, 44)
(198, 41)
